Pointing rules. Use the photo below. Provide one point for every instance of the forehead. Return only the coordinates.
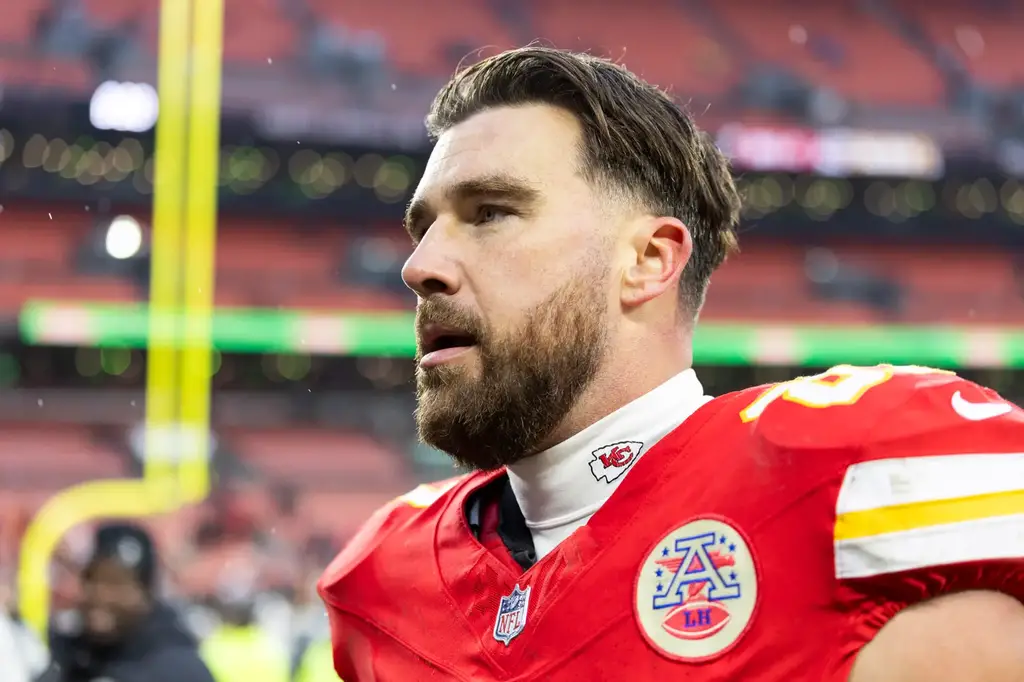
(108, 571)
(537, 143)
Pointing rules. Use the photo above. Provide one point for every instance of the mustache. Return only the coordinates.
(444, 313)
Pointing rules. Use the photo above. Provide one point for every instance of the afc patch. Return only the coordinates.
(512, 612)
(696, 591)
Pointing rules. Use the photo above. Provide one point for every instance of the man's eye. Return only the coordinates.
(488, 214)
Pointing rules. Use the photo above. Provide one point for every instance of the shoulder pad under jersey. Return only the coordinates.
(847, 406)
(395, 516)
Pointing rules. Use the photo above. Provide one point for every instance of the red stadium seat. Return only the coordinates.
(427, 38)
(255, 32)
(53, 455)
(19, 20)
(940, 285)
(320, 458)
(341, 514)
(39, 236)
(654, 38)
(69, 76)
(985, 37)
(85, 289)
(873, 63)
(115, 13)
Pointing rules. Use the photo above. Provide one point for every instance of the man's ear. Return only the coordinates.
(661, 247)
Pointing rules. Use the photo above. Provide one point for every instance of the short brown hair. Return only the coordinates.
(635, 137)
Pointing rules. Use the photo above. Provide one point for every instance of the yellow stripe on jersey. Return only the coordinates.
(920, 515)
(900, 514)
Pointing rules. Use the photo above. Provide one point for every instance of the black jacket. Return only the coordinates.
(159, 650)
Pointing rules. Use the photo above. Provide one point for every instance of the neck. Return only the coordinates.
(559, 488)
(626, 376)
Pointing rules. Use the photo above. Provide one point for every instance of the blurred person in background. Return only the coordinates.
(860, 525)
(316, 663)
(121, 630)
(22, 656)
(311, 658)
(238, 649)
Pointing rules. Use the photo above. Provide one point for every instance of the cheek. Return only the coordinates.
(507, 303)
(528, 275)
(503, 284)
(526, 269)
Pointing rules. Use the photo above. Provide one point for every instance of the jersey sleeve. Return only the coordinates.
(340, 588)
(933, 503)
(383, 522)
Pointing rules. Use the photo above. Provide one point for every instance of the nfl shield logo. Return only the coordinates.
(512, 615)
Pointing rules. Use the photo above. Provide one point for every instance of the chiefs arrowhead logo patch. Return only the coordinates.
(611, 461)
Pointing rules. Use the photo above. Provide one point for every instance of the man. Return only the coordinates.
(239, 650)
(310, 638)
(859, 525)
(22, 656)
(122, 632)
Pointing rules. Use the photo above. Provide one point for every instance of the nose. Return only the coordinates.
(431, 269)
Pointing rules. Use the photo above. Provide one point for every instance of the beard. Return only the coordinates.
(530, 377)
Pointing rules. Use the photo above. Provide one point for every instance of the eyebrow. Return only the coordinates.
(494, 187)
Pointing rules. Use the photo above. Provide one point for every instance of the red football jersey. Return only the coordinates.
(769, 537)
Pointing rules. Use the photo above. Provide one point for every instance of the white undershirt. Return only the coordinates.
(559, 489)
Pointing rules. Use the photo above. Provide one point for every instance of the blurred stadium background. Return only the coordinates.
(879, 143)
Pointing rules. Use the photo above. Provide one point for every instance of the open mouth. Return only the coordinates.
(439, 343)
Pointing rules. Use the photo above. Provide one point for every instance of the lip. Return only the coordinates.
(430, 334)
(439, 357)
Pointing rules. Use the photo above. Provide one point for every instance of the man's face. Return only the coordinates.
(512, 270)
(113, 601)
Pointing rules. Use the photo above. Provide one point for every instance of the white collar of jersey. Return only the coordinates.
(570, 481)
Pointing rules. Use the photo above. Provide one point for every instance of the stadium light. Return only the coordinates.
(124, 237)
(127, 107)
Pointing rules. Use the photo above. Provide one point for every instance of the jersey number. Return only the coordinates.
(841, 385)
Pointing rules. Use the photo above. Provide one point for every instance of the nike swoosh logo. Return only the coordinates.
(977, 412)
